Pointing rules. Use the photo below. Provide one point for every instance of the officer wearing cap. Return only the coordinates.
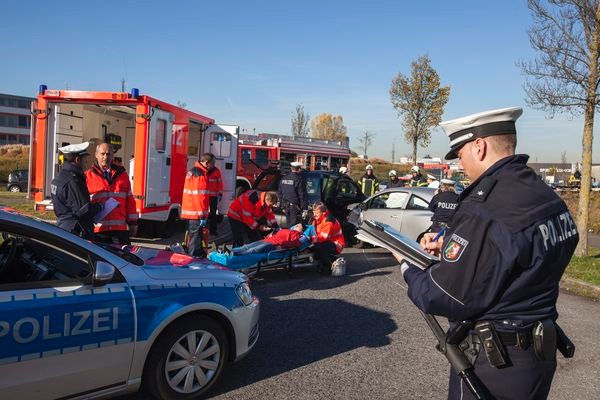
(394, 181)
(432, 181)
(292, 192)
(502, 257)
(70, 196)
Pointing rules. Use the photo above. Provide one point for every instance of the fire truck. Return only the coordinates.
(257, 152)
(155, 141)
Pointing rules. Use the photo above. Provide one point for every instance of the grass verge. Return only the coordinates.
(19, 202)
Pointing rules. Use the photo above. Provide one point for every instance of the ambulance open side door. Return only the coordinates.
(222, 141)
(158, 168)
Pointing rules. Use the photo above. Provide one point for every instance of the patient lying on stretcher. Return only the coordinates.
(293, 238)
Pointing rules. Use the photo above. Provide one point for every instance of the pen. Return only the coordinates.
(439, 235)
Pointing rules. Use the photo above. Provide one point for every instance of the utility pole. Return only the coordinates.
(393, 151)
(122, 84)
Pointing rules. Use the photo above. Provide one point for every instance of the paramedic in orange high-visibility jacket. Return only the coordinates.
(215, 192)
(245, 212)
(195, 204)
(328, 240)
(105, 181)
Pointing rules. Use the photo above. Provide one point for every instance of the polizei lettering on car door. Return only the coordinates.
(557, 229)
(28, 329)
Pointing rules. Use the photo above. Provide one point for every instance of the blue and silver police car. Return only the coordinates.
(78, 320)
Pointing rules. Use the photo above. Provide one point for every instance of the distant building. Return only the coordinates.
(15, 119)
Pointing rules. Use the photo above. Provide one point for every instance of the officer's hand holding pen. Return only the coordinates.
(432, 242)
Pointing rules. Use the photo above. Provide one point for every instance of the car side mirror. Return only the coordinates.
(103, 273)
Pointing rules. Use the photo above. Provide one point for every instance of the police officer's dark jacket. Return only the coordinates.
(504, 253)
(292, 189)
(71, 201)
(443, 205)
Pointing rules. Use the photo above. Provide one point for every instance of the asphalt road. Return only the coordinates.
(359, 337)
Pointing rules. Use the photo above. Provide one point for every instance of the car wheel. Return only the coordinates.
(14, 189)
(186, 360)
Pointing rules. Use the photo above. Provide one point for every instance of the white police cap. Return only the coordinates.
(79, 149)
(448, 182)
(431, 177)
(296, 164)
(488, 123)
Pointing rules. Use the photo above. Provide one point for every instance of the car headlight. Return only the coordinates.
(244, 293)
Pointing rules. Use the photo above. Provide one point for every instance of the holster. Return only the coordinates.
(491, 343)
(544, 340)
(564, 344)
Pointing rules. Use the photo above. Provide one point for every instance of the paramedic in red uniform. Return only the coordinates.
(105, 181)
(195, 204)
(215, 192)
(328, 240)
(245, 212)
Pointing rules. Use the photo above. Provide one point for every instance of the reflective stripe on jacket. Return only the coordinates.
(215, 182)
(329, 230)
(118, 187)
(195, 203)
(249, 207)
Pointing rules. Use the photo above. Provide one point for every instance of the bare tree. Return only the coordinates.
(563, 157)
(564, 76)
(300, 122)
(366, 140)
(420, 100)
(181, 104)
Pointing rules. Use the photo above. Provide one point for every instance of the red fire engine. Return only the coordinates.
(155, 141)
(259, 151)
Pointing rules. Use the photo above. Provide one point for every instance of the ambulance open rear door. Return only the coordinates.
(222, 141)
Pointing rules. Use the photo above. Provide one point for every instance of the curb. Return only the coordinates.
(580, 288)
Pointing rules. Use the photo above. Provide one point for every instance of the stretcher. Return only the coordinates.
(253, 264)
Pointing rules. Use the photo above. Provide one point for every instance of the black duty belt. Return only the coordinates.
(521, 340)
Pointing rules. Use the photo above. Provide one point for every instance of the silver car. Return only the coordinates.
(79, 320)
(405, 209)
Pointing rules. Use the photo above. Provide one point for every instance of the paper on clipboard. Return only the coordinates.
(385, 236)
(109, 205)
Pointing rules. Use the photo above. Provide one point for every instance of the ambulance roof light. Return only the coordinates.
(135, 93)
(42, 89)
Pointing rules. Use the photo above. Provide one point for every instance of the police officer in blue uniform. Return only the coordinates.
(443, 205)
(70, 196)
(501, 259)
(292, 192)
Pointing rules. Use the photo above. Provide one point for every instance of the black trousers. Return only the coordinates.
(212, 215)
(527, 378)
(113, 237)
(325, 253)
(242, 234)
(194, 239)
(293, 215)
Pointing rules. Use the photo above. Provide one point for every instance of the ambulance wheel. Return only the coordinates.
(186, 361)
(165, 229)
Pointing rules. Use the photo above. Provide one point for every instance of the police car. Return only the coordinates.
(82, 321)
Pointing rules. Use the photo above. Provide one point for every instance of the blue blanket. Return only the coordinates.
(249, 260)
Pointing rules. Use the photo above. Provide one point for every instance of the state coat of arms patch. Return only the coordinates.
(455, 248)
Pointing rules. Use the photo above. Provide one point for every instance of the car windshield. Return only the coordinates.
(125, 255)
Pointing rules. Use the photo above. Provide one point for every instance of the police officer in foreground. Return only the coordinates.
(502, 257)
(293, 196)
(70, 196)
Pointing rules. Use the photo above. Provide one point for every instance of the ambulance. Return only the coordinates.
(155, 141)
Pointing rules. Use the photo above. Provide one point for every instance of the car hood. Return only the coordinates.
(164, 264)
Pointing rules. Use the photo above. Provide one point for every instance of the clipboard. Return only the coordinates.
(393, 240)
(109, 205)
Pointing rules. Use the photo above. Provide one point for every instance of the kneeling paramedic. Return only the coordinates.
(502, 257)
(328, 238)
(245, 212)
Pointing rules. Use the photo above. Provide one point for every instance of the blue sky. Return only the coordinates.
(250, 62)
